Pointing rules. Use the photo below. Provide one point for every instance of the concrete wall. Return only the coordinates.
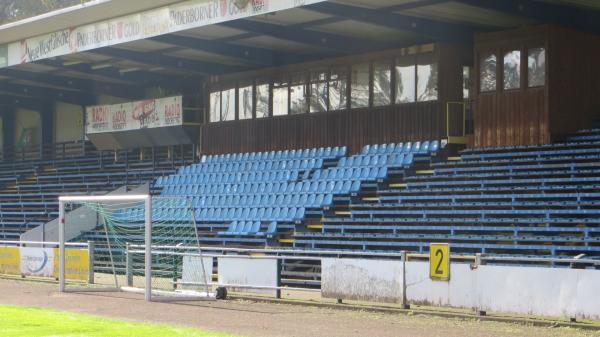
(512, 289)
(68, 122)
(363, 280)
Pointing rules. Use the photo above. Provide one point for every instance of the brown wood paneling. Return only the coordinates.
(353, 128)
(574, 80)
(510, 117)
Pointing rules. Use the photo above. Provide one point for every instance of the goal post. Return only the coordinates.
(120, 221)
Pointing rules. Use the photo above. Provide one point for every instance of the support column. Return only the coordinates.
(47, 128)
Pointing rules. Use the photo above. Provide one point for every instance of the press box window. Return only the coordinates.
(215, 106)
(512, 70)
(262, 100)
(405, 80)
(487, 73)
(280, 98)
(427, 80)
(359, 97)
(298, 94)
(382, 84)
(338, 83)
(245, 102)
(318, 91)
(228, 105)
(536, 67)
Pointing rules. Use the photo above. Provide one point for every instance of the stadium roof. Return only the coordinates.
(252, 35)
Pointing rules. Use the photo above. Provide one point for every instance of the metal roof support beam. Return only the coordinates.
(341, 44)
(72, 97)
(436, 30)
(141, 79)
(258, 56)
(567, 16)
(155, 59)
(20, 102)
(77, 84)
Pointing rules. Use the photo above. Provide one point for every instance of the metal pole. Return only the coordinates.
(128, 265)
(61, 246)
(91, 246)
(148, 252)
(405, 304)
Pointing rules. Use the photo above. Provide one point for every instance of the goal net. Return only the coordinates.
(142, 244)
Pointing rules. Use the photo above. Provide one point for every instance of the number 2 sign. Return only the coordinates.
(439, 261)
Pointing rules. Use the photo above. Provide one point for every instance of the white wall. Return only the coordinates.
(512, 289)
(363, 280)
(68, 122)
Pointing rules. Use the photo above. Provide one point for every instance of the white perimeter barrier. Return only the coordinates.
(257, 275)
(522, 290)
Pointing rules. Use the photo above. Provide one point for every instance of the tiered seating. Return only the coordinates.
(528, 200)
(29, 190)
(248, 198)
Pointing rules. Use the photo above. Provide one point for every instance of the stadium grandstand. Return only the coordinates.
(353, 126)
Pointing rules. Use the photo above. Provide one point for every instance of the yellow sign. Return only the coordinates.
(439, 261)
(77, 264)
(10, 260)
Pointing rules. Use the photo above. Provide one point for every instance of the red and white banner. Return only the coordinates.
(168, 19)
(150, 113)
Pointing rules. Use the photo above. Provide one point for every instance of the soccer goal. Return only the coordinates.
(137, 240)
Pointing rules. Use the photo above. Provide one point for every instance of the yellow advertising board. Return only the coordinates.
(10, 260)
(77, 264)
(439, 261)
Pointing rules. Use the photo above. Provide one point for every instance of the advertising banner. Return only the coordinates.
(163, 20)
(37, 261)
(77, 264)
(43, 262)
(10, 261)
(151, 113)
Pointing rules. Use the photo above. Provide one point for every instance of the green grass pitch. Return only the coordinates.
(37, 322)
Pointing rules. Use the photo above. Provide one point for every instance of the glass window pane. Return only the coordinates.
(405, 81)
(427, 82)
(487, 76)
(215, 106)
(382, 84)
(359, 96)
(466, 82)
(298, 94)
(512, 70)
(262, 100)
(228, 105)
(318, 91)
(280, 98)
(245, 102)
(536, 67)
(338, 82)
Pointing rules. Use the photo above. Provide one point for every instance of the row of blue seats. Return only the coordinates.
(271, 165)
(244, 228)
(408, 147)
(509, 182)
(323, 152)
(377, 160)
(423, 246)
(528, 154)
(359, 173)
(314, 186)
(253, 213)
(236, 177)
(308, 200)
